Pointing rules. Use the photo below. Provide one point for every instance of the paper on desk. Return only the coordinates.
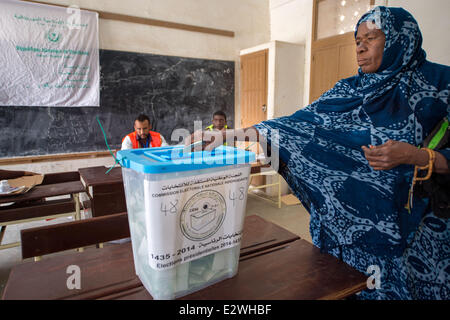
(25, 183)
(11, 191)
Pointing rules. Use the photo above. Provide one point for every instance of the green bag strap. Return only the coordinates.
(439, 135)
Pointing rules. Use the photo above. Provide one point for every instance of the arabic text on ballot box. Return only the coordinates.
(194, 217)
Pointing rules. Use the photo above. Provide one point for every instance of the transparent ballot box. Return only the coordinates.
(186, 215)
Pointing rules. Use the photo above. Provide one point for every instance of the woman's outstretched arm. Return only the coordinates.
(213, 139)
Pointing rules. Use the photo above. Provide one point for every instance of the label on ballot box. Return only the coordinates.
(194, 217)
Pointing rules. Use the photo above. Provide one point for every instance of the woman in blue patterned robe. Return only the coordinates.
(350, 155)
(356, 197)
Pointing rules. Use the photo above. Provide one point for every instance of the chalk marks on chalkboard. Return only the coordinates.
(173, 91)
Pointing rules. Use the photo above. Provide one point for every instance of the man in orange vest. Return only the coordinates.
(142, 137)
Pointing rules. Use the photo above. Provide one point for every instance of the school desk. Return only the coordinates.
(105, 190)
(36, 205)
(287, 268)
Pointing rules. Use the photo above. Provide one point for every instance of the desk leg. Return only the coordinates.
(279, 191)
(76, 198)
(2, 233)
(277, 183)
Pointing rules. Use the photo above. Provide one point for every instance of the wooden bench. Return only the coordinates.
(72, 235)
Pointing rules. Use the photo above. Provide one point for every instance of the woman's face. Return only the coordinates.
(369, 47)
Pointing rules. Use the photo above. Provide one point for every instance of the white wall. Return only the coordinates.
(248, 19)
(285, 86)
(285, 76)
(434, 22)
(289, 57)
(291, 21)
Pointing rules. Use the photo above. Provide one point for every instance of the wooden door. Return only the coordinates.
(324, 69)
(253, 88)
(332, 59)
(333, 49)
(348, 65)
(254, 97)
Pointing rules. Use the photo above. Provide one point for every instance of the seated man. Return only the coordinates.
(142, 137)
(219, 123)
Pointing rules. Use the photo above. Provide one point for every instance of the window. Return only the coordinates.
(335, 17)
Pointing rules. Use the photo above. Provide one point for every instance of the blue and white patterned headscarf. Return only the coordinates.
(403, 46)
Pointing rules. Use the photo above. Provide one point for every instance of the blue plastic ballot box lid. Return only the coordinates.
(175, 158)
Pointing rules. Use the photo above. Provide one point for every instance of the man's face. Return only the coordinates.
(369, 47)
(142, 128)
(219, 122)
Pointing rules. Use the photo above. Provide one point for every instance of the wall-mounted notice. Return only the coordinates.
(49, 55)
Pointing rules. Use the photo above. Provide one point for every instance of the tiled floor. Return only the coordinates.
(293, 218)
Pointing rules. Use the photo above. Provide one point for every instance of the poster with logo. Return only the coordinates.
(49, 55)
(193, 217)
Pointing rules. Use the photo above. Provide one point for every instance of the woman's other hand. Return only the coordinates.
(394, 153)
(390, 155)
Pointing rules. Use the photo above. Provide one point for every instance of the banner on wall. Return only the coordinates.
(48, 55)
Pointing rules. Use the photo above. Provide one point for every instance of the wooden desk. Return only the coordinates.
(105, 191)
(33, 206)
(293, 270)
(260, 234)
(257, 167)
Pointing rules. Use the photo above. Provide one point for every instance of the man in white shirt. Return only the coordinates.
(142, 137)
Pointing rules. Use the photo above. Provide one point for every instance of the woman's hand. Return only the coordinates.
(213, 139)
(210, 139)
(390, 155)
(394, 153)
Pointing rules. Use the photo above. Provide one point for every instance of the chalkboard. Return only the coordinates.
(173, 91)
